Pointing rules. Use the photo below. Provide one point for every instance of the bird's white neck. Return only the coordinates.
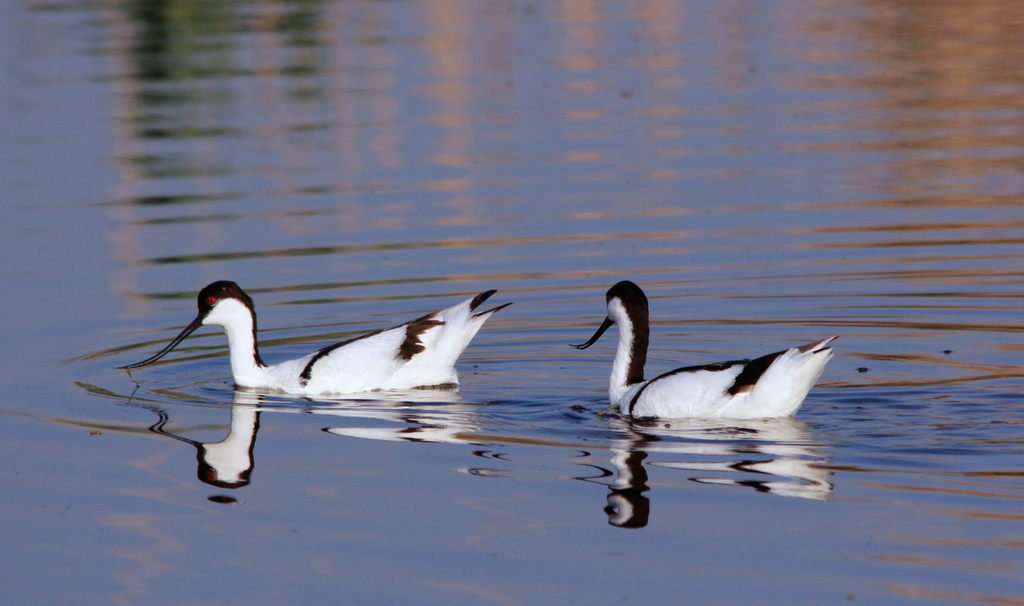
(239, 323)
(628, 367)
(242, 346)
(617, 383)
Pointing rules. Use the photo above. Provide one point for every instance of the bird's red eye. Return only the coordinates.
(211, 301)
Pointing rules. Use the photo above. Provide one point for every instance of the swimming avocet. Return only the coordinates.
(770, 386)
(421, 353)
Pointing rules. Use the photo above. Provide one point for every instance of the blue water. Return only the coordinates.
(769, 174)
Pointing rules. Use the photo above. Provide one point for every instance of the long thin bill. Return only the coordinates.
(163, 352)
(597, 335)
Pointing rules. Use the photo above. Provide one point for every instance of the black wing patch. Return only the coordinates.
(412, 344)
(752, 372)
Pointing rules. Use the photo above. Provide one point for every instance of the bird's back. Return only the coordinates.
(774, 385)
(420, 353)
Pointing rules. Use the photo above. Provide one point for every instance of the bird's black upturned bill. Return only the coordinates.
(163, 352)
(597, 335)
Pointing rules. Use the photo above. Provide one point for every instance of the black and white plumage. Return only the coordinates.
(420, 353)
(773, 385)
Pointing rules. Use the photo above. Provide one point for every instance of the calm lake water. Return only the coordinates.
(769, 173)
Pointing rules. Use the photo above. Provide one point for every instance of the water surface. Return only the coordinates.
(770, 174)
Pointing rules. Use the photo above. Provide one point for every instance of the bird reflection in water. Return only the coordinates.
(426, 415)
(227, 463)
(627, 505)
(773, 456)
(778, 453)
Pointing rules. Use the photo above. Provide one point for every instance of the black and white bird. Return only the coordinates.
(773, 385)
(420, 353)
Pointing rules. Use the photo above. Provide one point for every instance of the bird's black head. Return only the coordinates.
(215, 292)
(209, 297)
(632, 304)
(629, 293)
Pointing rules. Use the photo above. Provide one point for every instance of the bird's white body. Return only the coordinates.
(704, 393)
(420, 353)
(365, 364)
(770, 386)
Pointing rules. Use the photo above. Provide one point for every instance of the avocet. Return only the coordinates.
(773, 385)
(420, 353)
